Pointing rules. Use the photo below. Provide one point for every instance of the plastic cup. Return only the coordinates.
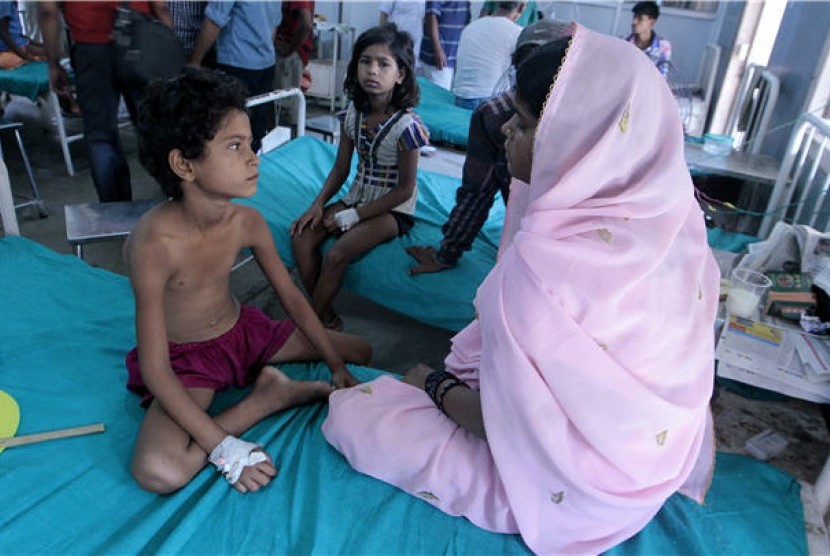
(746, 292)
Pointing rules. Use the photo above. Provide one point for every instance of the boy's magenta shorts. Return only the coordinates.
(232, 359)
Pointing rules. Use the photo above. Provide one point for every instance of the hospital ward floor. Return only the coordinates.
(399, 342)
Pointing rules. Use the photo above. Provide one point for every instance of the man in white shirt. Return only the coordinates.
(484, 55)
(408, 15)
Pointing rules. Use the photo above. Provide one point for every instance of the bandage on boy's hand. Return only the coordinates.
(346, 219)
(243, 464)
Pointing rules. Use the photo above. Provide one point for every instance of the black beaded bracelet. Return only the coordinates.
(439, 403)
(433, 380)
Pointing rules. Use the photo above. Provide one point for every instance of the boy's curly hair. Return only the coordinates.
(407, 94)
(183, 113)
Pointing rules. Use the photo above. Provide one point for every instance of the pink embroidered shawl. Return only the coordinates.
(593, 349)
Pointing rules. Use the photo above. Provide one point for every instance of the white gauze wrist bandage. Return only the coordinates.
(232, 455)
(345, 219)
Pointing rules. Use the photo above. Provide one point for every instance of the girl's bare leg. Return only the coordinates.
(306, 248)
(351, 245)
(307, 253)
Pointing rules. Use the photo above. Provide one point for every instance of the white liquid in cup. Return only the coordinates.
(742, 303)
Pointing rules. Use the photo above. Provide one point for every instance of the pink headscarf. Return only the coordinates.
(596, 325)
(594, 346)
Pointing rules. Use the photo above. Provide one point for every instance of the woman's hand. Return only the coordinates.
(342, 378)
(417, 376)
(309, 219)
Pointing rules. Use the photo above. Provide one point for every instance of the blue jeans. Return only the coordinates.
(469, 103)
(100, 88)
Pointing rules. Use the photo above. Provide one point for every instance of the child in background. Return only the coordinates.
(380, 124)
(15, 48)
(194, 338)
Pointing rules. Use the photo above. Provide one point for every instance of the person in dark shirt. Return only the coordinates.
(485, 167)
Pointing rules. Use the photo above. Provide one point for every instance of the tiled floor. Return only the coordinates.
(399, 342)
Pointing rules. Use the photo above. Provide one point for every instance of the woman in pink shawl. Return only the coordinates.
(577, 402)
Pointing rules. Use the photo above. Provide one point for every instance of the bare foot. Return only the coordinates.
(273, 391)
(332, 321)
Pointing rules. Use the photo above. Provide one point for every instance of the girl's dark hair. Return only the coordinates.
(405, 95)
(183, 113)
(535, 75)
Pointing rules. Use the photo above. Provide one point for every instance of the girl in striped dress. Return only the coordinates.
(381, 126)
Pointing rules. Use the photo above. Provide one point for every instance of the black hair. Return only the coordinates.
(404, 95)
(535, 75)
(508, 6)
(183, 113)
(523, 52)
(648, 8)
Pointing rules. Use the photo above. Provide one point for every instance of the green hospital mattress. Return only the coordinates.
(65, 328)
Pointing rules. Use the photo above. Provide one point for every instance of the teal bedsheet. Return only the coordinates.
(64, 330)
(29, 80)
(292, 175)
(447, 122)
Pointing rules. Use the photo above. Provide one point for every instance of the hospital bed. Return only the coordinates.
(62, 359)
(291, 176)
(448, 124)
(32, 81)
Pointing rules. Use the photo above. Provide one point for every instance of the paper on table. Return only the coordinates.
(777, 358)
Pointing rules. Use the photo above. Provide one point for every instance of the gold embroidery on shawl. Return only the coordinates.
(557, 497)
(625, 119)
(365, 389)
(605, 235)
(556, 77)
(426, 495)
(661, 438)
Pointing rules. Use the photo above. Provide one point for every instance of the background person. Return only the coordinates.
(294, 43)
(483, 57)
(243, 33)
(99, 81)
(16, 48)
(408, 15)
(485, 166)
(656, 47)
(443, 24)
(530, 14)
(188, 17)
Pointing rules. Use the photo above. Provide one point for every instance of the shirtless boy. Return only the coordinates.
(193, 337)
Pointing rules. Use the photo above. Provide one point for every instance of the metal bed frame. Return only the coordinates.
(799, 195)
(753, 107)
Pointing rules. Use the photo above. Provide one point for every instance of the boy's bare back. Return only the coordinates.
(189, 263)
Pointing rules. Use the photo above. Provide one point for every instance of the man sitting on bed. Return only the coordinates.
(194, 338)
(485, 167)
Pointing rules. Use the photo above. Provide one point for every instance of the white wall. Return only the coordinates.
(689, 32)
